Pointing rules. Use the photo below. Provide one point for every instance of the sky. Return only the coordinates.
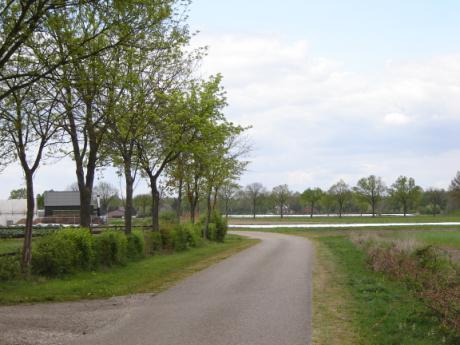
(332, 89)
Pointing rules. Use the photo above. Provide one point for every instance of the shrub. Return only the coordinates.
(153, 242)
(221, 227)
(167, 241)
(194, 238)
(136, 245)
(111, 248)
(10, 267)
(179, 238)
(168, 216)
(212, 229)
(52, 255)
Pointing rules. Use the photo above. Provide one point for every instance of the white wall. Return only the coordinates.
(12, 210)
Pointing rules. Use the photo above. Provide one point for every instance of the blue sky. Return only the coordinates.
(358, 32)
(332, 89)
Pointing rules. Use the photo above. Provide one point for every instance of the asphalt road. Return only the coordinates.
(261, 296)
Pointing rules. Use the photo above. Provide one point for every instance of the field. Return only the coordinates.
(346, 220)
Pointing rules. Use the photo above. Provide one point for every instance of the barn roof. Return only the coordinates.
(66, 198)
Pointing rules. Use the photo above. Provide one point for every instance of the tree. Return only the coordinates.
(254, 191)
(328, 202)
(435, 199)
(91, 87)
(143, 203)
(454, 188)
(281, 196)
(312, 197)
(20, 193)
(227, 193)
(371, 189)
(405, 193)
(29, 121)
(341, 193)
(107, 193)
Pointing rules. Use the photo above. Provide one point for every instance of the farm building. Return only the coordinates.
(12, 211)
(62, 204)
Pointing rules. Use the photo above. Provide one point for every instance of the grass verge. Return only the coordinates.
(332, 311)
(384, 312)
(153, 274)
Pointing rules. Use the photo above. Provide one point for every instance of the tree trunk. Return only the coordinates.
(27, 245)
(226, 208)
(208, 214)
(373, 210)
(254, 208)
(281, 211)
(214, 200)
(179, 200)
(129, 181)
(155, 204)
(311, 210)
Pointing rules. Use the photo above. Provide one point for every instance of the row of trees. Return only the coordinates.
(369, 195)
(112, 83)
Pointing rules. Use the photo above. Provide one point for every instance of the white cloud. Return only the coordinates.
(397, 119)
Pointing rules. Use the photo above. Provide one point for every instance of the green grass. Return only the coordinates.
(345, 220)
(384, 311)
(152, 274)
(10, 245)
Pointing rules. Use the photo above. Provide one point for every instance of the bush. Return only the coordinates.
(179, 238)
(194, 238)
(221, 227)
(168, 216)
(153, 242)
(63, 252)
(10, 267)
(212, 229)
(135, 245)
(111, 248)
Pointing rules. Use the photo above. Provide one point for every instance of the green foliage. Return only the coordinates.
(220, 228)
(136, 245)
(168, 217)
(20, 193)
(153, 242)
(385, 311)
(63, 252)
(179, 238)
(9, 267)
(111, 248)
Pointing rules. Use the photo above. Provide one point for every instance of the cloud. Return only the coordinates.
(397, 119)
(314, 121)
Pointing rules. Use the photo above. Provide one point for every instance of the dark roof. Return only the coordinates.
(53, 198)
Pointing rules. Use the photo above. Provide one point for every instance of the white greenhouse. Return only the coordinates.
(11, 211)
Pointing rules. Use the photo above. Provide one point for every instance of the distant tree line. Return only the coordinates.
(113, 83)
(370, 195)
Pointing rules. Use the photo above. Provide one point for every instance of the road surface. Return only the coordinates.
(261, 296)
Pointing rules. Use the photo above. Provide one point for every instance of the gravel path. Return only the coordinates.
(259, 296)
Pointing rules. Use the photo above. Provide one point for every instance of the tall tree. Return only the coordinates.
(341, 193)
(227, 193)
(454, 187)
(312, 198)
(29, 120)
(254, 191)
(372, 190)
(435, 199)
(405, 192)
(281, 196)
(90, 88)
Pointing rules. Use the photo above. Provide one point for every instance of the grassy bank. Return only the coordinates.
(152, 274)
(381, 311)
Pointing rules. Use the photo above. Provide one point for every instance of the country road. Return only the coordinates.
(261, 296)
